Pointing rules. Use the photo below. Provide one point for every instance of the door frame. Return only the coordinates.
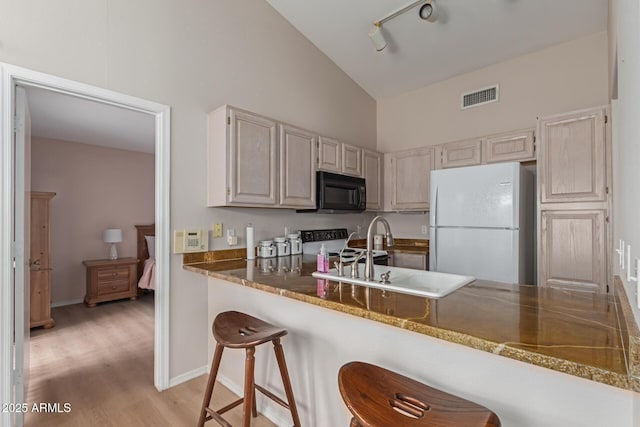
(10, 76)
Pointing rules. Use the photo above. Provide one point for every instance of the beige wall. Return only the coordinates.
(96, 188)
(561, 78)
(194, 56)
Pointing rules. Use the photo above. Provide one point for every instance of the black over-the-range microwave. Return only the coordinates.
(339, 193)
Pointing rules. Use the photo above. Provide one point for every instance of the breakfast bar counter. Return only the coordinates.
(580, 334)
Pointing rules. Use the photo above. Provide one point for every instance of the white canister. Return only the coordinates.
(296, 243)
(282, 246)
(377, 242)
(266, 249)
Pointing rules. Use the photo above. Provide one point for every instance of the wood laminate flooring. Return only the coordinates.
(100, 361)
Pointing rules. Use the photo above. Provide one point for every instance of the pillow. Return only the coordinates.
(151, 245)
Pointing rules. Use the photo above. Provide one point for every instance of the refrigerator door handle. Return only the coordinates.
(434, 267)
(435, 209)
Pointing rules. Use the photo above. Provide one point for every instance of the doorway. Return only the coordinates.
(12, 239)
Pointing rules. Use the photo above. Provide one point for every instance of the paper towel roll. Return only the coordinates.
(251, 246)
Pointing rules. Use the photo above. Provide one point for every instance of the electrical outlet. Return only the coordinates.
(424, 229)
(359, 230)
(217, 230)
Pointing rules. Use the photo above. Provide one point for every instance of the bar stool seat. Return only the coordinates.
(237, 330)
(377, 397)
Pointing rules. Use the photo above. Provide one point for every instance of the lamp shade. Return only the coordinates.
(113, 235)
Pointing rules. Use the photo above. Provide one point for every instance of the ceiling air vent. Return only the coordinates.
(480, 97)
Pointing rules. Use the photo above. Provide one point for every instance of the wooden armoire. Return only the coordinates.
(40, 260)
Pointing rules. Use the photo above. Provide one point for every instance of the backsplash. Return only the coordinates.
(408, 225)
(269, 223)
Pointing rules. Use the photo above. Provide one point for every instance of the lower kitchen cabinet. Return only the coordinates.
(416, 261)
(572, 251)
(109, 280)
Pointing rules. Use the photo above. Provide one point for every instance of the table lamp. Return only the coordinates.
(113, 236)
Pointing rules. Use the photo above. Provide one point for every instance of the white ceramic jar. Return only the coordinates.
(266, 249)
(282, 246)
(296, 243)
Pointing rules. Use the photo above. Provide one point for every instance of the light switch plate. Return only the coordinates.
(217, 230)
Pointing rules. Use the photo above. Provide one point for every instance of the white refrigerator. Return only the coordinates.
(482, 222)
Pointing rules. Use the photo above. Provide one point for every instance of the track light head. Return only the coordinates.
(377, 38)
(428, 11)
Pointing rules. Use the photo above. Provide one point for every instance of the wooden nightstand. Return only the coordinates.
(109, 280)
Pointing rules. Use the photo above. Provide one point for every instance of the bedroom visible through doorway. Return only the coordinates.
(14, 77)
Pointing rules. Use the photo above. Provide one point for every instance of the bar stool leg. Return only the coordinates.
(255, 408)
(217, 356)
(282, 364)
(249, 388)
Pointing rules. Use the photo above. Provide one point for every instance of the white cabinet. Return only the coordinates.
(241, 159)
(329, 154)
(574, 176)
(338, 157)
(409, 179)
(416, 261)
(572, 164)
(297, 172)
(351, 160)
(572, 251)
(461, 153)
(510, 147)
(372, 162)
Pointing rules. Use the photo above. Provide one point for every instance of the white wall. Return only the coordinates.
(194, 56)
(561, 78)
(626, 132)
(320, 341)
(96, 188)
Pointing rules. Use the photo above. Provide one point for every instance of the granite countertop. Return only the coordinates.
(572, 332)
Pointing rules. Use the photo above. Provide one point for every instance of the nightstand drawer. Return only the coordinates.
(114, 287)
(113, 273)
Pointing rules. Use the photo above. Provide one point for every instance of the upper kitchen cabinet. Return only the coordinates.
(297, 167)
(461, 153)
(373, 177)
(515, 146)
(338, 157)
(410, 179)
(329, 155)
(242, 158)
(572, 163)
(351, 160)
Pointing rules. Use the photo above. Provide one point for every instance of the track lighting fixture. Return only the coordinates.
(427, 11)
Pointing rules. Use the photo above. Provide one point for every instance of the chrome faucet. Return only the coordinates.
(368, 265)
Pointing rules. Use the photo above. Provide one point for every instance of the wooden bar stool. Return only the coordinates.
(238, 330)
(377, 397)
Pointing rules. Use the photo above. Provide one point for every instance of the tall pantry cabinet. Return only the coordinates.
(40, 260)
(574, 178)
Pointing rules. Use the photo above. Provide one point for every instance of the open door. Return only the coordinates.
(22, 238)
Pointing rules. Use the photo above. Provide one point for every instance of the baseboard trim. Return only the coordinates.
(182, 378)
(69, 302)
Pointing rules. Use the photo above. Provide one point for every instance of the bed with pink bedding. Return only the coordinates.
(146, 256)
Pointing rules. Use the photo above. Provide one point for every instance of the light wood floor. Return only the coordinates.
(100, 360)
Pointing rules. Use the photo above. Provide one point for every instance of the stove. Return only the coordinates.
(335, 240)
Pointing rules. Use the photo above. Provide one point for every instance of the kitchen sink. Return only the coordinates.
(422, 283)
